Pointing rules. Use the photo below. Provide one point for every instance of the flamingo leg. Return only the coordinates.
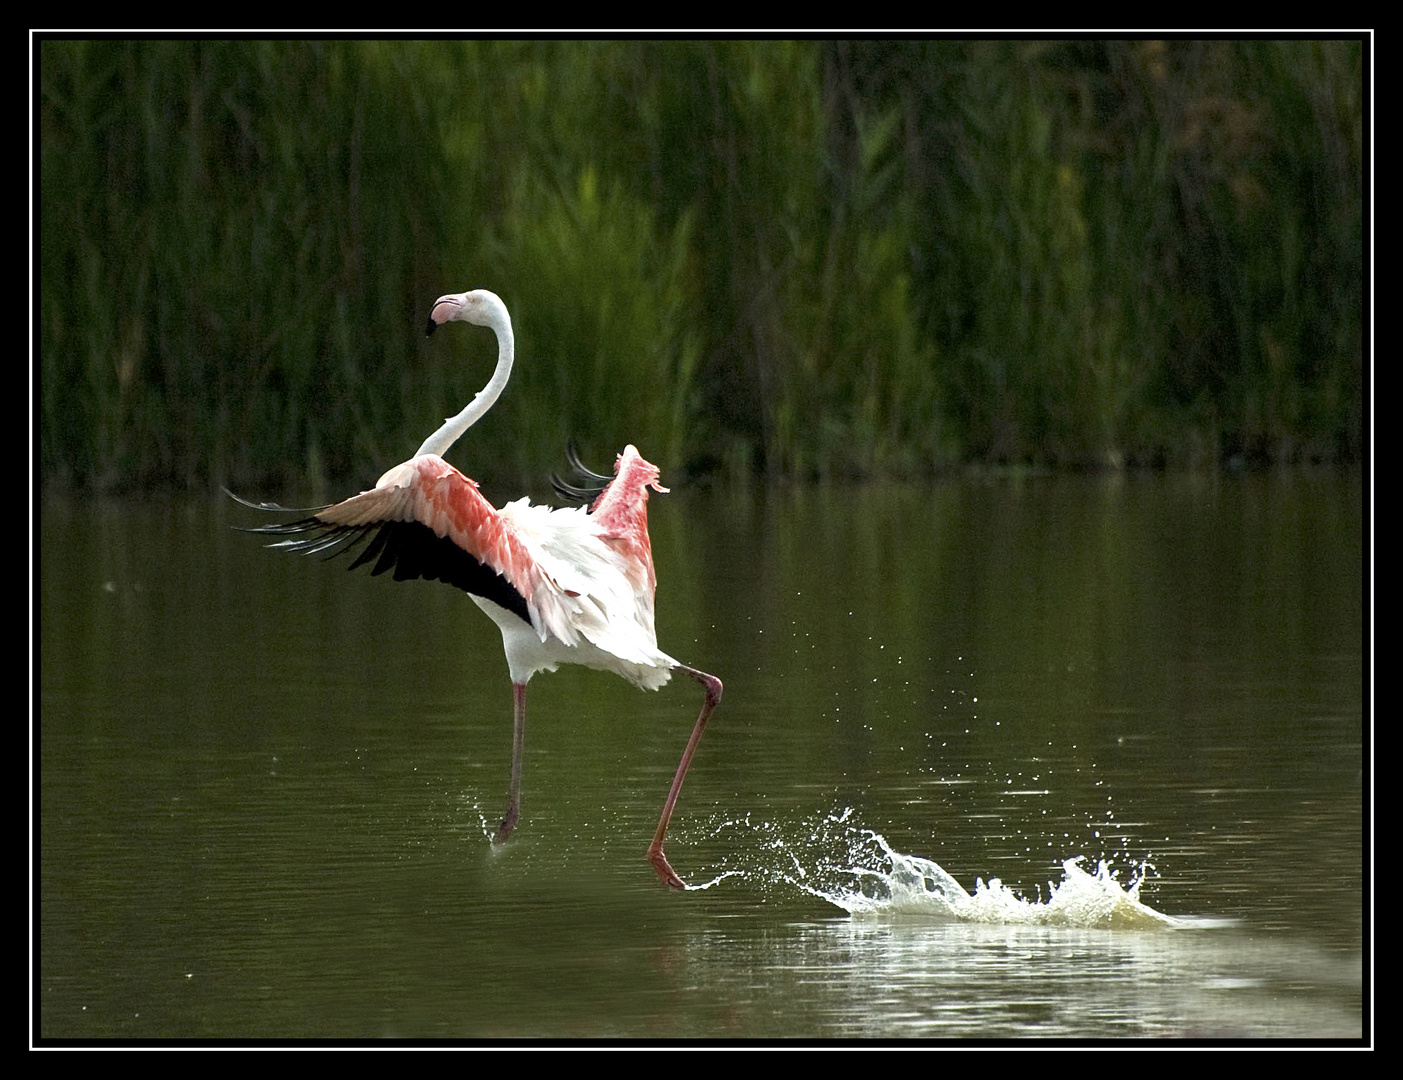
(518, 740)
(712, 685)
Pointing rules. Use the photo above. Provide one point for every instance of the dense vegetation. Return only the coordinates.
(797, 258)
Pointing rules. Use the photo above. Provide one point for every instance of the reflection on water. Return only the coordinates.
(902, 977)
(267, 787)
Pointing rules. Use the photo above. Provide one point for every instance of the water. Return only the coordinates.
(1046, 758)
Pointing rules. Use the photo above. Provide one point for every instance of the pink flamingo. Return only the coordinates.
(565, 586)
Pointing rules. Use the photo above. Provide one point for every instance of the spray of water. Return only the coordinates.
(855, 869)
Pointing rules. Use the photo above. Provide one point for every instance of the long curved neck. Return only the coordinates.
(454, 426)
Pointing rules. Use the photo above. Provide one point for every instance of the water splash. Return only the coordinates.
(855, 869)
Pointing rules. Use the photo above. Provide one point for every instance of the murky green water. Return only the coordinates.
(266, 786)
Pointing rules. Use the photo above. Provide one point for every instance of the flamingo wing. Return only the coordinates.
(566, 573)
(423, 519)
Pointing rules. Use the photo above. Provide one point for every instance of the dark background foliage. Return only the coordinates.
(804, 259)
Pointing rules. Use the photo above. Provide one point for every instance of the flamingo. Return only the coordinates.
(565, 586)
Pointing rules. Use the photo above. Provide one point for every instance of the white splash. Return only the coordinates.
(857, 870)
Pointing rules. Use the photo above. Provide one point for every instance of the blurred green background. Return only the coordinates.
(798, 259)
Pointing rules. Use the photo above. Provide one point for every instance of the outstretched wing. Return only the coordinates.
(423, 519)
(408, 548)
(570, 575)
(574, 578)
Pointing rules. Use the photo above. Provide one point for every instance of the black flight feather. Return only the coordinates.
(411, 549)
(587, 486)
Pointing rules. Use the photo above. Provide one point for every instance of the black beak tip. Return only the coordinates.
(432, 327)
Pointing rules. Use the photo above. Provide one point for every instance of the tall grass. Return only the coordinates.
(802, 258)
(233, 241)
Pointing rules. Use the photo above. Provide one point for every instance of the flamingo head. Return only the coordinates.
(480, 307)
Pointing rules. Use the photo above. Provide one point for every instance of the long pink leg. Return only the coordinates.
(518, 739)
(712, 685)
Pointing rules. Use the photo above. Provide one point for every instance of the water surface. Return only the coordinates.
(266, 787)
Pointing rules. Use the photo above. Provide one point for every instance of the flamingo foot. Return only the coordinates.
(504, 830)
(664, 868)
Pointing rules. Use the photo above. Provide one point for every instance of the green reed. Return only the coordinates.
(805, 259)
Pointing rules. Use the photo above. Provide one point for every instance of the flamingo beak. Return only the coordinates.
(444, 309)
